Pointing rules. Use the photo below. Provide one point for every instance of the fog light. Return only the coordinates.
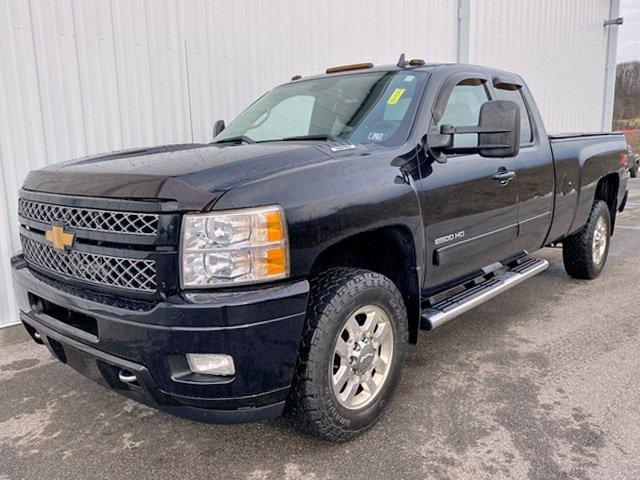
(211, 364)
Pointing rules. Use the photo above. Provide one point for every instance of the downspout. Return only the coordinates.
(462, 50)
(611, 25)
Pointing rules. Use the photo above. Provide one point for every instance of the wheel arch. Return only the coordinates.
(607, 191)
(388, 250)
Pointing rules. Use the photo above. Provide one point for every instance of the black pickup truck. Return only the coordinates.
(286, 266)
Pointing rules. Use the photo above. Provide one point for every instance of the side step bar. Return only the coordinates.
(445, 310)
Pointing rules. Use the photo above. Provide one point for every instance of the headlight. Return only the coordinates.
(234, 247)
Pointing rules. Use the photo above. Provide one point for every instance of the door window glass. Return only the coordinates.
(463, 110)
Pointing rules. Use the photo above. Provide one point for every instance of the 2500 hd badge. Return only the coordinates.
(449, 238)
(286, 267)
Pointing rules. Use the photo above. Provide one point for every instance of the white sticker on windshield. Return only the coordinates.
(376, 136)
(409, 78)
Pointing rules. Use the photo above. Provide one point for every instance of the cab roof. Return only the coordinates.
(373, 68)
(483, 71)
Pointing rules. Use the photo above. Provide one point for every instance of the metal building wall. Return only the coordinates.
(558, 46)
(86, 76)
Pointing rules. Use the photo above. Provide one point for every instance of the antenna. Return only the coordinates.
(401, 61)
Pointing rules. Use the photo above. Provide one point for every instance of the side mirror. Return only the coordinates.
(498, 132)
(218, 127)
(499, 129)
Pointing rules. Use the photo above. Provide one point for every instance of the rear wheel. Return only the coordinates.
(585, 252)
(351, 354)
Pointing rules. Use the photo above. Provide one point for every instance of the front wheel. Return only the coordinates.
(585, 252)
(351, 355)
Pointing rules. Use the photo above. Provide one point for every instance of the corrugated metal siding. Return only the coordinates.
(87, 76)
(559, 47)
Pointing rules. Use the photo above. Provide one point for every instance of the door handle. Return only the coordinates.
(503, 176)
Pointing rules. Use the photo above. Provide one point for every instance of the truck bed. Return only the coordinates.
(564, 135)
(581, 160)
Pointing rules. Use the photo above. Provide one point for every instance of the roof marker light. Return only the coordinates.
(347, 68)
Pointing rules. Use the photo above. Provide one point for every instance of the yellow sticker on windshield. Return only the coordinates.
(395, 96)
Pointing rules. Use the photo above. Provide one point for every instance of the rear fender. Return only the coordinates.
(597, 162)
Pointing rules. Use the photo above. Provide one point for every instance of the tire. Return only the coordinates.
(338, 297)
(583, 253)
(634, 170)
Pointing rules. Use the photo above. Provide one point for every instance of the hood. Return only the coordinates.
(193, 175)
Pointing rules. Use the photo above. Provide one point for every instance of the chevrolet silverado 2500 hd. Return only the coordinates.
(285, 267)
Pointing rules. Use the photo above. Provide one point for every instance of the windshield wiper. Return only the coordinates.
(238, 139)
(245, 139)
(320, 136)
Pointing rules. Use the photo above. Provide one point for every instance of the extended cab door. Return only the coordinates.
(469, 203)
(534, 166)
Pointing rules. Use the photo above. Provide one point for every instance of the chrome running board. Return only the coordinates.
(441, 312)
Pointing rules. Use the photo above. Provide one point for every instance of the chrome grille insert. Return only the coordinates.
(81, 218)
(129, 273)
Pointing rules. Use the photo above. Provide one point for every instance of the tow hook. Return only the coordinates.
(125, 376)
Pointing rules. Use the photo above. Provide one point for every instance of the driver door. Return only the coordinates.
(469, 206)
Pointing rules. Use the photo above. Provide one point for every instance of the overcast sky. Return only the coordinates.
(629, 36)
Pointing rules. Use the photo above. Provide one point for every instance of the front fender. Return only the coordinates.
(334, 199)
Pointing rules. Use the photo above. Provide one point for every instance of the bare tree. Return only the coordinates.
(627, 98)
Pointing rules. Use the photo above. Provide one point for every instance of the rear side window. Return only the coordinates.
(526, 133)
(463, 110)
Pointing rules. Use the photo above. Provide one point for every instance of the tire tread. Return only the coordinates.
(329, 290)
(576, 249)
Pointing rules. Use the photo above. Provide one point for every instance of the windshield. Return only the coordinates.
(373, 107)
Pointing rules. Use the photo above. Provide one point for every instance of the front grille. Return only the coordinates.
(90, 219)
(128, 273)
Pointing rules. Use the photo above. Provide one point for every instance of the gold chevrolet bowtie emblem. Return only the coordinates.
(59, 238)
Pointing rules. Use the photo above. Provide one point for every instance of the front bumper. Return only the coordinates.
(259, 328)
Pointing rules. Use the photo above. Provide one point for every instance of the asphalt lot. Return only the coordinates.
(542, 382)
